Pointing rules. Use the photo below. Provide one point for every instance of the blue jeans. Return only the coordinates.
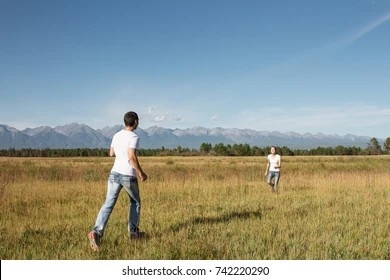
(115, 183)
(276, 176)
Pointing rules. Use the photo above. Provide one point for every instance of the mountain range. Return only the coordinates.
(76, 135)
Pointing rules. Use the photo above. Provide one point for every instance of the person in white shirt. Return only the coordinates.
(273, 169)
(123, 175)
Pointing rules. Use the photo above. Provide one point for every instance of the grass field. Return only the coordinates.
(200, 208)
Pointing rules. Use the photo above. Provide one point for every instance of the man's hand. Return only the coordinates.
(143, 176)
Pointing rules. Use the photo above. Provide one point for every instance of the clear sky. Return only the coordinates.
(303, 65)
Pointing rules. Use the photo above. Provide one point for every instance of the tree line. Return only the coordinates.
(207, 149)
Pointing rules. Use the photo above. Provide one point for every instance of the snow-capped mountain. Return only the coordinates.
(76, 135)
(82, 136)
(45, 136)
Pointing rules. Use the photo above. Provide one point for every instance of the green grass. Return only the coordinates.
(200, 208)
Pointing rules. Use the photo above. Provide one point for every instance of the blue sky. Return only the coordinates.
(303, 66)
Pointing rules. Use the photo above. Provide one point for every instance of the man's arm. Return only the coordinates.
(134, 162)
(112, 152)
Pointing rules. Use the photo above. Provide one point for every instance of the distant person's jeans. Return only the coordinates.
(276, 176)
(115, 183)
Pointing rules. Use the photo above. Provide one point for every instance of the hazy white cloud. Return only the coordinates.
(160, 118)
(166, 118)
(156, 114)
(152, 109)
(214, 117)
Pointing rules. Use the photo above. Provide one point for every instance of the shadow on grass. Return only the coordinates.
(215, 220)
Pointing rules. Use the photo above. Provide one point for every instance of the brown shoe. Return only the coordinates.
(94, 241)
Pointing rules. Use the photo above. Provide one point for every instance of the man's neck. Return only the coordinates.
(129, 128)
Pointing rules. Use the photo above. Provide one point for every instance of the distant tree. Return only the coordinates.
(386, 145)
(220, 149)
(246, 149)
(322, 151)
(285, 151)
(256, 151)
(340, 150)
(240, 150)
(229, 150)
(356, 150)
(205, 148)
(179, 149)
(374, 148)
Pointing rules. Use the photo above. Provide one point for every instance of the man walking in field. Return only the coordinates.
(123, 174)
(273, 169)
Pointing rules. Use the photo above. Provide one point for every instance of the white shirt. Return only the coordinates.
(121, 143)
(274, 161)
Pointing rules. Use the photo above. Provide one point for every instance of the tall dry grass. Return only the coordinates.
(200, 208)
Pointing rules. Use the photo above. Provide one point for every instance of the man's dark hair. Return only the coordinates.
(130, 118)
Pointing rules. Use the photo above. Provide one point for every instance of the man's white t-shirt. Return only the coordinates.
(122, 142)
(274, 161)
